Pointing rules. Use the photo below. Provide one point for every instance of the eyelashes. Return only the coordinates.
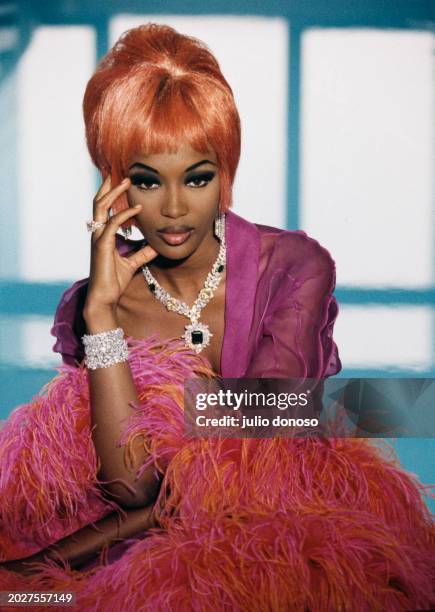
(145, 182)
(204, 178)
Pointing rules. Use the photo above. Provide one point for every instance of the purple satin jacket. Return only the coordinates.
(279, 307)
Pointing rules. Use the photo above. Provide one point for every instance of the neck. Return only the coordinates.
(184, 278)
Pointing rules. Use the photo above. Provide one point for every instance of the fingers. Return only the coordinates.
(105, 188)
(103, 201)
(107, 234)
(142, 257)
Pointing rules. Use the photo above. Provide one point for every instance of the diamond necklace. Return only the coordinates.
(197, 335)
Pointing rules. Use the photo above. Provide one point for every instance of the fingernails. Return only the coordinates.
(125, 181)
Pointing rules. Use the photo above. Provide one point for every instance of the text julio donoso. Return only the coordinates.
(236, 401)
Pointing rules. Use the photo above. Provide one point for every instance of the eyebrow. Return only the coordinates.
(192, 167)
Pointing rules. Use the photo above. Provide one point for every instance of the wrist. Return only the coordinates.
(42, 556)
(105, 349)
(60, 553)
(100, 318)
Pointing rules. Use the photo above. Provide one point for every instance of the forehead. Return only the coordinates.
(184, 157)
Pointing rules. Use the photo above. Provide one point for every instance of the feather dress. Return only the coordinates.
(264, 524)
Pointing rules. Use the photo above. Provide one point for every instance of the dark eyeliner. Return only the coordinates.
(144, 179)
(204, 176)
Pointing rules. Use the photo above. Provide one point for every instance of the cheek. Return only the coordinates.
(207, 198)
(132, 197)
(205, 207)
(145, 215)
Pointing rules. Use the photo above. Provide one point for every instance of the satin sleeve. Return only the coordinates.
(69, 326)
(295, 336)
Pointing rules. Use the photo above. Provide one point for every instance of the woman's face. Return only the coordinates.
(178, 192)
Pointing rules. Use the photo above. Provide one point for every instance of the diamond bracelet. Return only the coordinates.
(105, 349)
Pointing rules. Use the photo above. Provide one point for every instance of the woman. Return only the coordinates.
(101, 456)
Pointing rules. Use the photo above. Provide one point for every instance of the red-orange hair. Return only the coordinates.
(155, 89)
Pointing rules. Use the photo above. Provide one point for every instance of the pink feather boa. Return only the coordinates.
(245, 524)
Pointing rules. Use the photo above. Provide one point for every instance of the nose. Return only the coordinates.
(173, 205)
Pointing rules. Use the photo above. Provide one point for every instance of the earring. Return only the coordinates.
(126, 231)
(219, 226)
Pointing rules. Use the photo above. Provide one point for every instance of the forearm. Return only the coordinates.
(112, 390)
(83, 545)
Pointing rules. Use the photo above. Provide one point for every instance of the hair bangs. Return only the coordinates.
(160, 125)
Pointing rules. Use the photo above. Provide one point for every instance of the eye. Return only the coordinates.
(144, 182)
(200, 180)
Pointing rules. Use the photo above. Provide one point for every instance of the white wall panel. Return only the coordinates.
(38, 342)
(55, 175)
(25, 341)
(372, 336)
(367, 152)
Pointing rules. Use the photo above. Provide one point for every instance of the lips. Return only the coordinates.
(174, 238)
(175, 229)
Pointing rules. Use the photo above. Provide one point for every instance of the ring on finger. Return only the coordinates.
(92, 226)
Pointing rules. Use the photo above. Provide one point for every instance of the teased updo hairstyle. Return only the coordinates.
(152, 91)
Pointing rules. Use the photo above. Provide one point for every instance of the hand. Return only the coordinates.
(110, 272)
(24, 566)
